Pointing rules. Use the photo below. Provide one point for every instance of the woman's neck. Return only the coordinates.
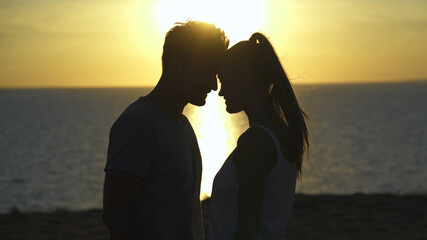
(259, 111)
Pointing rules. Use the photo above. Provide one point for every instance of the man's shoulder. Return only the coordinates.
(140, 107)
(139, 112)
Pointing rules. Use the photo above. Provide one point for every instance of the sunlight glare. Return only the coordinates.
(239, 19)
(215, 140)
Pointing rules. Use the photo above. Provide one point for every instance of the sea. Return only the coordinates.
(365, 138)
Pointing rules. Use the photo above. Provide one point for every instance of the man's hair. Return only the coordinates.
(193, 41)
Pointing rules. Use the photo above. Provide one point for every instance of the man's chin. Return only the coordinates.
(231, 110)
(198, 102)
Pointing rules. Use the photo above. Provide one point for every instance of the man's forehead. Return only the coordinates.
(207, 63)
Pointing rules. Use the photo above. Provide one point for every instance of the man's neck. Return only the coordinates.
(167, 98)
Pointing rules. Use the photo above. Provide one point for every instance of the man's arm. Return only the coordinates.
(120, 191)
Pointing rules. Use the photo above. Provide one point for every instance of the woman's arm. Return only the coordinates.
(254, 157)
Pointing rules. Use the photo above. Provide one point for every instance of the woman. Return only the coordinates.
(253, 192)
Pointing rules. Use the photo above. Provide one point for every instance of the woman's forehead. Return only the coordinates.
(226, 72)
(229, 64)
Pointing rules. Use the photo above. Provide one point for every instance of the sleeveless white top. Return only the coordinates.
(277, 203)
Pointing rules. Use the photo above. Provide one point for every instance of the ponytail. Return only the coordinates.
(284, 100)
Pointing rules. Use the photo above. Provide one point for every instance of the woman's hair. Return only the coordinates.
(259, 55)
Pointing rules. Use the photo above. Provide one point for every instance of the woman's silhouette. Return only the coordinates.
(253, 192)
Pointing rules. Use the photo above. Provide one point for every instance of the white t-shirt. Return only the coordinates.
(277, 202)
(146, 142)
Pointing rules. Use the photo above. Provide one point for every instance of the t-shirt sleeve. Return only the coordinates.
(131, 146)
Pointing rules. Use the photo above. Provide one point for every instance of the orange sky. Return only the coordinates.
(45, 43)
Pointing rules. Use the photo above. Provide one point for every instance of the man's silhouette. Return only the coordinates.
(153, 170)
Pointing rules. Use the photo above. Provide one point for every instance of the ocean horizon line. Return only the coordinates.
(295, 82)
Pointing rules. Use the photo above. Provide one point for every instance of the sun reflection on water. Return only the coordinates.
(217, 133)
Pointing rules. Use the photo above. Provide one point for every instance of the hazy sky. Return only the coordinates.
(106, 43)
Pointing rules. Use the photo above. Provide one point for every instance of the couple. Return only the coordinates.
(153, 169)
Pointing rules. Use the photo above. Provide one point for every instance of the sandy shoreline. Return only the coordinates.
(359, 216)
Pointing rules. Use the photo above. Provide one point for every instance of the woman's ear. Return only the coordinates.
(248, 76)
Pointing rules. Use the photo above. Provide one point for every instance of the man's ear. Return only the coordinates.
(176, 65)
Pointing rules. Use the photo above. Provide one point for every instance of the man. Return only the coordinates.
(153, 170)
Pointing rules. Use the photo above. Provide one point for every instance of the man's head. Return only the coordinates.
(191, 55)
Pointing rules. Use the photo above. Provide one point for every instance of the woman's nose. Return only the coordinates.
(221, 93)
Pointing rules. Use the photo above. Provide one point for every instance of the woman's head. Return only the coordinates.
(242, 74)
(251, 69)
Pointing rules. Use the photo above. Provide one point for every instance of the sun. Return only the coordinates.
(238, 18)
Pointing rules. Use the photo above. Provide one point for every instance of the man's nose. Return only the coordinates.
(214, 84)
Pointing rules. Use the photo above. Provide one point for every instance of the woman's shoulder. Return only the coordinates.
(255, 135)
(255, 148)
